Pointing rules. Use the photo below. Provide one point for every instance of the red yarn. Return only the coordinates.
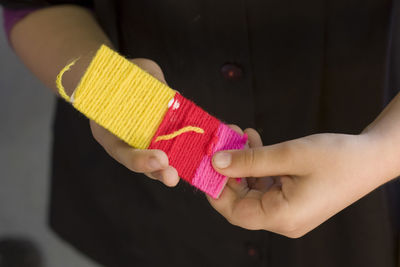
(185, 151)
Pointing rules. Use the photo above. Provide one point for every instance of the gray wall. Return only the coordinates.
(26, 108)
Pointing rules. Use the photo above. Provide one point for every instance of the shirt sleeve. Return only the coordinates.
(12, 16)
(15, 10)
(21, 4)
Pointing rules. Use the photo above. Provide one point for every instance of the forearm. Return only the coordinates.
(384, 136)
(48, 39)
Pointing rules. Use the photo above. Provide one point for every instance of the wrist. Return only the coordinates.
(381, 155)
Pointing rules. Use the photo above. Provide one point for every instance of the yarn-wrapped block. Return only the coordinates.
(147, 114)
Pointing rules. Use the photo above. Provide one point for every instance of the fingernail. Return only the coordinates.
(154, 164)
(222, 160)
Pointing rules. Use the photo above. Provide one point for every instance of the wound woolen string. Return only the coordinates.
(147, 114)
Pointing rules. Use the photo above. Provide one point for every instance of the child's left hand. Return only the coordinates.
(297, 185)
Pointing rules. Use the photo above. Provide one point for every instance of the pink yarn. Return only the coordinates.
(206, 178)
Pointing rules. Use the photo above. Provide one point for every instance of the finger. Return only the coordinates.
(254, 140)
(236, 128)
(254, 137)
(225, 204)
(274, 160)
(136, 160)
(151, 67)
(254, 210)
(168, 176)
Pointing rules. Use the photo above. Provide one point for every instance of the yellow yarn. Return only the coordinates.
(121, 97)
(60, 87)
(179, 132)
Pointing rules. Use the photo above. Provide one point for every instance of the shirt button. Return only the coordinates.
(253, 252)
(231, 71)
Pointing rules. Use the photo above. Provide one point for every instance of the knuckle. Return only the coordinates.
(292, 228)
(113, 152)
(286, 150)
(243, 223)
(274, 209)
(231, 220)
(295, 235)
(284, 220)
(134, 164)
(236, 128)
(288, 153)
(147, 64)
(152, 64)
(248, 215)
(95, 134)
(251, 131)
(98, 138)
(98, 133)
(289, 227)
(249, 158)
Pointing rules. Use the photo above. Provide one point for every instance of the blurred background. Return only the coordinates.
(26, 108)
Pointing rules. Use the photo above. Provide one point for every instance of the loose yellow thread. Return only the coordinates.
(179, 132)
(60, 87)
(121, 97)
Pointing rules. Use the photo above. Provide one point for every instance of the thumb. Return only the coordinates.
(274, 160)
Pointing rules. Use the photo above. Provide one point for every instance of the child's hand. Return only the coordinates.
(153, 163)
(297, 184)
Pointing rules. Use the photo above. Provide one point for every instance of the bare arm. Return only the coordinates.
(47, 39)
